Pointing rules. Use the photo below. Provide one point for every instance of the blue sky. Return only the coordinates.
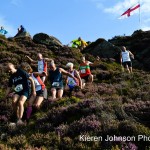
(69, 19)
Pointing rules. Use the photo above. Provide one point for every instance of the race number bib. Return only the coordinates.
(55, 84)
(40, 67)
(71, 82)
(125, 58)
(18, 88)
(83, 71)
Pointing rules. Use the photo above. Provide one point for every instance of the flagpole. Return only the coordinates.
(140, 15)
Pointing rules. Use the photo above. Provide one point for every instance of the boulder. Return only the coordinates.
(49, 41)
(102, 48)
(23, 34)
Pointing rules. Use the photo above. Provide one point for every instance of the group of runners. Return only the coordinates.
(30, 85)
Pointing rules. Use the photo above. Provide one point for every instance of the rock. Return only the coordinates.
(49, 41)
(3, 136)
(23, 34)
(104, 75)
(102, 48)
(12, 126)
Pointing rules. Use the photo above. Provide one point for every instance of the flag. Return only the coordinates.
(130, 11)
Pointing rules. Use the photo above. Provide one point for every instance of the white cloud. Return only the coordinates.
(121, 7)
(145, 28)
(11, 30)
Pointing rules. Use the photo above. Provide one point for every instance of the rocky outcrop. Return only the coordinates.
(23, 34)
(102, 48)
(50, 41)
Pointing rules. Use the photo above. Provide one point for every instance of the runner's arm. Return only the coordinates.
(32, 86)
(48, 59)
(131, 55)
(66, 73)
(96, 62)
(78, 76)
(33, 61)
(40, 74)
(90, 63)
(120, 58)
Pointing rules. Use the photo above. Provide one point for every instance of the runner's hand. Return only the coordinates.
(26, 56)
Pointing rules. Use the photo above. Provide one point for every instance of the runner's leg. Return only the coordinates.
(14, 104)
(21, 102)
(60, 93)
(38, 101)
(29, 108)
(53, 91)
(90, 78)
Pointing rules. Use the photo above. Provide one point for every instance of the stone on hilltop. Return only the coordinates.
(23, 34)
(102, 48)
(49, 41)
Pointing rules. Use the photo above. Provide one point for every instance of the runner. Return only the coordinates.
(42, 65)
(19, 78)
(83, 44)
(34, 101)
(125, 59)
(70, 81)
(56, 80)
(84, 70)
(79, 43)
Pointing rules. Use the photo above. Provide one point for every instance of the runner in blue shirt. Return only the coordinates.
(19, 79)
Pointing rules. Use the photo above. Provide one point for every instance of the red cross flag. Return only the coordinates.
(130, 11)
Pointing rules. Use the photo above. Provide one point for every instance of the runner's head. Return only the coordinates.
(69, 66)
(11, 68)
(79, 38)
(26, 67)
(40, 57)
(83, 58)
(123, 48)
(52, 65)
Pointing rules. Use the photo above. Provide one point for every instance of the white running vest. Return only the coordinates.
(71, 81)
(37, 84)
(125, 56)
(40, 66)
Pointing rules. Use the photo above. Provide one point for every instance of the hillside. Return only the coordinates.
(116, 104)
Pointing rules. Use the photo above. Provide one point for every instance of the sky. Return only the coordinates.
(69, 19)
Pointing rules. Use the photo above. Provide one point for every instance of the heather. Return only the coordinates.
(116, 103)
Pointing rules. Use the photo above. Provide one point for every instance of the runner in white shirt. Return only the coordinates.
(125, 59)
(70, 82)
(42, 65)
